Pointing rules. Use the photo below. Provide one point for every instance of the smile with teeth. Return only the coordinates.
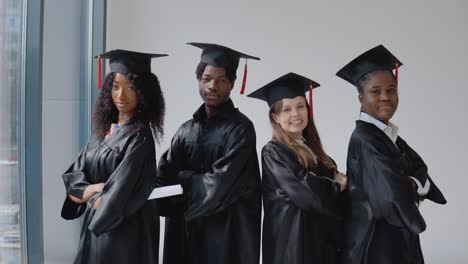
(296, 122)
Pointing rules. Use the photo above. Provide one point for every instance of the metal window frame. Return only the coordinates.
(31, 134)
(95, 38)
(31, 219)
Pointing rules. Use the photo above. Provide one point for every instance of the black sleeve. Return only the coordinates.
(76, 181)
(420, 173)
(170, 163)
(382, 182)
(312, 193)
(223, 184)
(128, 187)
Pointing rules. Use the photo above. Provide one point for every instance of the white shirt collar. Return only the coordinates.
(391, 130)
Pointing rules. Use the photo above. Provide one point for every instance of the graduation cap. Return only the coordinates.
(126, 61)
(378, 58)
(290, 86)
(221, 56)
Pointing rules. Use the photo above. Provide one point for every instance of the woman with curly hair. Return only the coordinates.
(114, 173)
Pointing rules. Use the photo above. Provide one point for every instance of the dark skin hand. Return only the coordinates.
(413, 184)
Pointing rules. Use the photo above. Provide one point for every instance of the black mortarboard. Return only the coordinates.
(378, 58)
(221, 56)
(126, 61)
(287, 86)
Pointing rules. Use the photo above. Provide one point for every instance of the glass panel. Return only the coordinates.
(10, 87)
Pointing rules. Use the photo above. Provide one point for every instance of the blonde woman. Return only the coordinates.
(301, 184)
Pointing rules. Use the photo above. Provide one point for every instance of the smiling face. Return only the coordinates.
(293, 117)
(214, 86)
(124, 96)
(379, 96)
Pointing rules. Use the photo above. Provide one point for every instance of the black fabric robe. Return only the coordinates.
(218, 218)
(383, 222)
(125, 227)
(301, 223)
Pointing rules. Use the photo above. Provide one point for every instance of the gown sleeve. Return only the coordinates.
(128, 187)
(76, 181)
(170, 163)
(224, 183)
(381, 180)
(420, 173)
(312, 193)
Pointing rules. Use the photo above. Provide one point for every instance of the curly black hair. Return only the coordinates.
(151, 106)
(230, 73)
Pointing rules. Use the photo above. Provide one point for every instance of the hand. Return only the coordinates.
(97, 203)
(342, 179)
(413, 184)
(91, 190)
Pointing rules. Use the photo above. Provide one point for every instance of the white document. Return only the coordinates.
(166, 191)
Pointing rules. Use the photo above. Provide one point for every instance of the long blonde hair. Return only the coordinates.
(310, 134)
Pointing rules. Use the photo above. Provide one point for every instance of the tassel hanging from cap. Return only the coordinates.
(311, 108)
(99, 73)
(244, 80)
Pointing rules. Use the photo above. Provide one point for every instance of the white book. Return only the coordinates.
(166, 191)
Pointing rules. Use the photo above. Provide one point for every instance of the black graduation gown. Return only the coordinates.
(218, 219)
(383, 222)
(301, 211)
(125, 227)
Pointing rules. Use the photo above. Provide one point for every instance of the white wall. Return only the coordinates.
(60, 127)
(315, 39)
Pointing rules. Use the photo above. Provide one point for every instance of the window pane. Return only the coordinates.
(10, 88)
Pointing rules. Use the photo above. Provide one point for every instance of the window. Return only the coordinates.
(11, 14)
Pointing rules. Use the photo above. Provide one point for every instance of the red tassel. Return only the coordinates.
(244, 80)
(99, 77)
(396, 73)
(311, 108)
